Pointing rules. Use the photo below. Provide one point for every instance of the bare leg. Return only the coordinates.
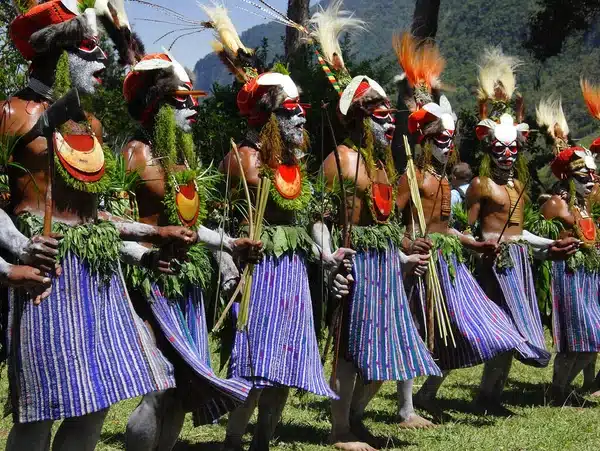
(80, 433)
(409, 419)
(563, 367)
(589, 374)
(238, 421)
(30, 436)
(363, 394)
(495, 375)
(341, 436)
(270, 407)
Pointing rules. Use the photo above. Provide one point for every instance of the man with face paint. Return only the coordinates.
(158, 91)
(478, 330)
(278, 348)
(494, 199)
(84, 348)
(576, 303)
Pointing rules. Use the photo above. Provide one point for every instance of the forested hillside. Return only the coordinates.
(465, 28)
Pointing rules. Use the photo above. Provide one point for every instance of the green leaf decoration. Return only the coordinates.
(97, 244)
(372, 237)
(449, 246)
(301, 202)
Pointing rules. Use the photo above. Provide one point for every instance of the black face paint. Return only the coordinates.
(89, 50)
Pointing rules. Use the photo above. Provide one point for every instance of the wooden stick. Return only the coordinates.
(49, 202)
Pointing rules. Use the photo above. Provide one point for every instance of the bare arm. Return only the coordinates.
(473, 200)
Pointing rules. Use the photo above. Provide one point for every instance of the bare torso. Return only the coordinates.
(431, 199)
(28, 188)
(349, 158)
(491, 205)
(151, 192)
(250, 168)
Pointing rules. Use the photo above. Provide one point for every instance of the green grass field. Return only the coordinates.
(535, 426)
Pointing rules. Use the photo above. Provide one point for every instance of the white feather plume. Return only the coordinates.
(326, 27)
(227, 37)
(550, 113)
(497, 74)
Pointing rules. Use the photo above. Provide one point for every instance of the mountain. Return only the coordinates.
(466, 27)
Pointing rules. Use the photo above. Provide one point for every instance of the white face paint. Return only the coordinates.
(443, 144)
(184, 119)
(584, 178)
(382, 124)
(291, 119)
(504, 146)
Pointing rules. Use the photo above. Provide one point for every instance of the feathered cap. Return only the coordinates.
(497, 87)
(551, 116)
(155, 77)
(327, 25)
(262, 93)
(62, 24)
(591, 95)
(430, 112)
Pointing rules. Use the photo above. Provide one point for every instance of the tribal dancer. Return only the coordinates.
(380, 340)
(576, 300)
(84, 348)
(495, 199)
(158, 94)
(477, 329)
(278, 349)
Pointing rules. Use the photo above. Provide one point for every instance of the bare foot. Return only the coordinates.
(415, 421)
(596, 394)
(349, 442)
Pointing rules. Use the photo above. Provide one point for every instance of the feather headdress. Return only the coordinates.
(327, 25)
(228, 45)
(497, 84)
(591, 95)
(422, 64)
(550, 114)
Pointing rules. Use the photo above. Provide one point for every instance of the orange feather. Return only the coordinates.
(591, 95)
(421, 61)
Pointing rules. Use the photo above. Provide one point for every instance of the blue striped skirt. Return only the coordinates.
(518, 300)
(82, 350)
(280, 346)
(383, 340)
(183, 324)
(575, 309)
(481, 329)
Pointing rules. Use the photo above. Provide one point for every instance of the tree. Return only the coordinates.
(295, 49)
(556, 20)
(425, 19)
(13, 67)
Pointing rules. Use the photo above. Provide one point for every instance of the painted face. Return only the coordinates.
(382, 123)
(86, 65)
(291, 117)
(504, 145)
(185, 108)
(584, 180)
(443, 143)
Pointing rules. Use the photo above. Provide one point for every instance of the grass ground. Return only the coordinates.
(535, 425)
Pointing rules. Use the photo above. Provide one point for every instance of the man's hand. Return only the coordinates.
(417, 264)
(21, 276)
(176, 235)
(42, 252)
(159, 260)
(247, 250)
(340, 259)
(563, 249)
(228, 286)
(340, 286)
(489, 248)
(421, 246)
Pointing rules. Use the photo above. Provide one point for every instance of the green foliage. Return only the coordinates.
(448, 246)
(535, 223)
(97, 244)
(13, 68)
(378, 236)
(62, 82)
(460, 217)
(277, 240)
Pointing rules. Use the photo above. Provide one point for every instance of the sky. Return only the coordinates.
(189, 49)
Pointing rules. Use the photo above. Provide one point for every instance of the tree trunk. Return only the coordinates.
(424, 26)
(425, 19)
(294, 48)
